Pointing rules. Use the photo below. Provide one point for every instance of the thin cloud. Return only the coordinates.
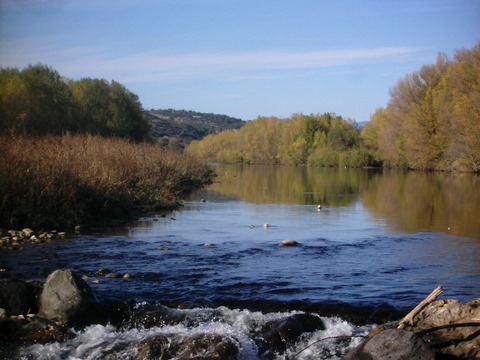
(153, 66)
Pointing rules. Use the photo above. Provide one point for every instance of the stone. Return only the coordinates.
(288, 243)
(460, 342)
(277, 335)
(102, 272)
(113, 275)
(17, 296)
(27, 232)
(67, 299)
(396, 344)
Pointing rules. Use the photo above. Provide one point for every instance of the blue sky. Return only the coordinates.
(243, 58)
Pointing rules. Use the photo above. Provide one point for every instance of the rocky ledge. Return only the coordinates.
(444, 329)
(36, 312)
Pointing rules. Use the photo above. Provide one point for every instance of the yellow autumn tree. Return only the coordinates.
(463, 82)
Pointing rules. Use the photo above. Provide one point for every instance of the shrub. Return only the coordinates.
(64, 180)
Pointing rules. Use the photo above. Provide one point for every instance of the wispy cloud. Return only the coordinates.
(154, 66)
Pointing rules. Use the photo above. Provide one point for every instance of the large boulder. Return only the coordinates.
(68, 300)
(458, 341)
(17, 297)
(393, 344)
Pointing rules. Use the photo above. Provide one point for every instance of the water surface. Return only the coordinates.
(381, 237)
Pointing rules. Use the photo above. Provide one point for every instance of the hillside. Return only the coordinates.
(177, 128)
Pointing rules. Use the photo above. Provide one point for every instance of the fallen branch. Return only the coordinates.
(409, 317)
(327, 338)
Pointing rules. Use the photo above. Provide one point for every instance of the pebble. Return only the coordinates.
(288, 243)
(113, 275)
(12, 239)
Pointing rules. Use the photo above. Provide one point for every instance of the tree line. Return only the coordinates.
(316, 139)
(39, 101)
(431, 122)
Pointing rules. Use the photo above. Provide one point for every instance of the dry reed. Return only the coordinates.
(60, 181)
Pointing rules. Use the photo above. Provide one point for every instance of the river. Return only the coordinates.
(382, 240)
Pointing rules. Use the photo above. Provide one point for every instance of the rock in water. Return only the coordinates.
(199, 346)
(393, 344)
(460, 342)
(67, 300)
(288, 243)
(277, 335)
(17, 297)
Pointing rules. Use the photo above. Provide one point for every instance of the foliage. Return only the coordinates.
(39, 101)
(109, 109)
(177, 128)
(315, 139)
(64, 180)
(432, 121)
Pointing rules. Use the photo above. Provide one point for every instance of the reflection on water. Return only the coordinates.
(408, 201)
(270, 184)
(426, 202)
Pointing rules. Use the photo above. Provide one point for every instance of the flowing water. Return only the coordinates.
(381, 239)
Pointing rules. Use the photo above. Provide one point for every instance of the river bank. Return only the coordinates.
(63, 181)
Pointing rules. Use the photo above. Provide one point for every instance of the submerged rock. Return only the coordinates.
(277, 335)
(67, 299)
(198, 346)
(288, 243)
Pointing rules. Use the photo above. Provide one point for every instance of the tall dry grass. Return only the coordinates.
(60, 181)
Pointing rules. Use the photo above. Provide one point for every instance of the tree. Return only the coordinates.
(463, 112)
(38, 101)
(51, 107)
(109, 109)
(414, 100)
(14, 102)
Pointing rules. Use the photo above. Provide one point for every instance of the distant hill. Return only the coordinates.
(177, 128)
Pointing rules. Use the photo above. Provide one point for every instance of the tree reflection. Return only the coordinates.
(426, 201)
(267, 184)
(408, 201)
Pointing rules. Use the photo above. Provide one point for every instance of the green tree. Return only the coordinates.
(51, 107)
(14, 102)
(109, 109)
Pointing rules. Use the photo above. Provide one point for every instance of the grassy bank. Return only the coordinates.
(57, 181)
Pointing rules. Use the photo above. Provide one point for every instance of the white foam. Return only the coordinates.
(96, 341)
